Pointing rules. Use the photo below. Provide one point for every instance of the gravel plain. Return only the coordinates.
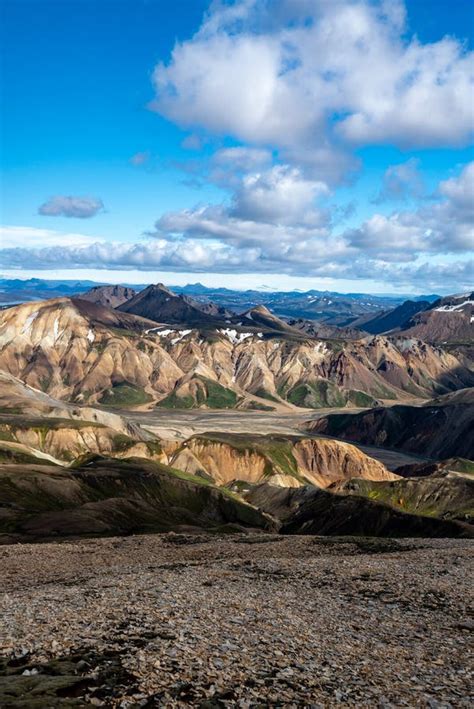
(194, 620)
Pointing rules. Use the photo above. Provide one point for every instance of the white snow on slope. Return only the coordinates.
(236, 337)
(451, 308)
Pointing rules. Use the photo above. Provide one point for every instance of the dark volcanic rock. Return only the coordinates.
(443, 428)
(309, 510)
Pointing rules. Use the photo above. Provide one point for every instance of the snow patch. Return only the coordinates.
(451, 308)
(179, 334)
(90, 336)
(237, 337)
(321, 348)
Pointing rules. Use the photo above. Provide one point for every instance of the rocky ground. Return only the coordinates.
(193, 620)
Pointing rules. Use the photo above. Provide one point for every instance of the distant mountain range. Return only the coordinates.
(333, 309)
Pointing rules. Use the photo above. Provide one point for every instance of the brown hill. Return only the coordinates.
(261, 317)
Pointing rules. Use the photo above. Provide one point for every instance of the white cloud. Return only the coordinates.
(241, 158)
(78, 207)
(460, 193)
(272, 226)
(31, 237)
(297, 74)
(280, 195)
(445, 226)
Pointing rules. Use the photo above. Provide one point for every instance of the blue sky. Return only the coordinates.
(235, 144)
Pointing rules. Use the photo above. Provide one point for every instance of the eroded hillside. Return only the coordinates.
(83, 352)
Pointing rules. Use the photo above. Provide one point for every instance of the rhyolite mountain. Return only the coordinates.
(79, 351)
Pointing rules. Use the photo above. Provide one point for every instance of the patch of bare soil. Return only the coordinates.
(194, 620)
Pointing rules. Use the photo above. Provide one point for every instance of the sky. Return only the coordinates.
(322, 144)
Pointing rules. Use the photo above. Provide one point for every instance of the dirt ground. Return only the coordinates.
(193, 620)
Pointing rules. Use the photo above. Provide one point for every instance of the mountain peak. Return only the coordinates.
(260, 310)
(160, 288)
(110, 295)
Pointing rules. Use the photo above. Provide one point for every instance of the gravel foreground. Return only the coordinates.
(193, 620)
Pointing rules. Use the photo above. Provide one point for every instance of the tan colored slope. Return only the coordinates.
(323, 462)
(85, 353)
(288, 462)
(64, 440)
(20, 399)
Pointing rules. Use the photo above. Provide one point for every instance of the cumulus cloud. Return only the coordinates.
(445, 226)
(401, 182)
(273, 225)
(459, 192)
(32, 237)
(280, 195)
(78, 207)
(190, 255)
(311, 73)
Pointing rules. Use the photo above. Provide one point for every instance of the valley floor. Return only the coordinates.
(193, 620)
(179, 424)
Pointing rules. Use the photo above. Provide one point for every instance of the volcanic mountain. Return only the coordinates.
(78, 351)
(160, 304)
(111, 296)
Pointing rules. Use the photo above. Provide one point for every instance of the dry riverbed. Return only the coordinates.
(191, 620)
(179, 424)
